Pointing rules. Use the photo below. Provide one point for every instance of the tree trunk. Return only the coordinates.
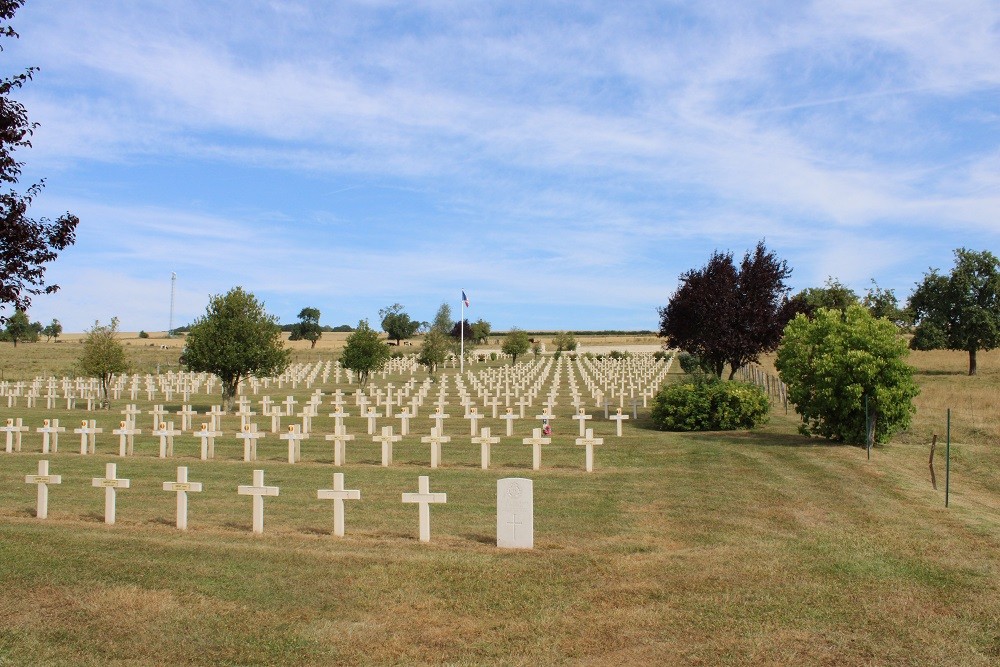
(229, 394)
(972, 361)
(313, 346)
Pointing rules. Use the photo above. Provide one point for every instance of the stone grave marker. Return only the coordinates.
(515, 513)
(423, 497)
(42, 481)
(111, 484)
(181, 487)
(258, 491)
(338, 494)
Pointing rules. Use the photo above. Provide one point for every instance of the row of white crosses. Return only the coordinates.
(257, 490)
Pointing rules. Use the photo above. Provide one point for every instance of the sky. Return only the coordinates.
(563, 162)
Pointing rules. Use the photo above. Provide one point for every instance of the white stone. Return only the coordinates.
(515, 513)
(536, 441)
(589, 441)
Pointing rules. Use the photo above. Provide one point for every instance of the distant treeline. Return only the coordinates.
(343, 328)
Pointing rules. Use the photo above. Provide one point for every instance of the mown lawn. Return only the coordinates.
(745, 548)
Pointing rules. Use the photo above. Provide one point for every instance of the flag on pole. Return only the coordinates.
(465, 299)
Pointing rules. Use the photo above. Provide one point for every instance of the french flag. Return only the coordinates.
(465, 299)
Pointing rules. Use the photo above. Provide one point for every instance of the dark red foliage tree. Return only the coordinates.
(26, 244)
(729, 316)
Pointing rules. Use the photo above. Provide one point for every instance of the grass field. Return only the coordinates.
(705, 549)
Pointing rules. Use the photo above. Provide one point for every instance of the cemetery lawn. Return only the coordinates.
(710, 549)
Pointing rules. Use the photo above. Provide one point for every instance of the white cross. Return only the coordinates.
(509, 417)
(338, 417)
(250, 435)
(42, 480)
(126, 438)
(258, 491)
(371, 415)
(435, 439)
(339, 438)
(536, 441)
(589, 441)
(294, 436)
(111, 484)
(13, 428)
(404, 421)
(439, 418)
(484, 441)
(582, 417)
(387, 438)
(424, 498)
(186, 413)
(338, 494)
(47, 430)
(618, 417)
(166, 432)
(473, 418)
(88, 436)
(181, 487)
(207, 438)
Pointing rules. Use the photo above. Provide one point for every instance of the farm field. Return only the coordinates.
(709, 548)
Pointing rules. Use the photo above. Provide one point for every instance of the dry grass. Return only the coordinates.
(705, 549)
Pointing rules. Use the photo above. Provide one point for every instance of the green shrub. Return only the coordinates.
(707, 404)
(143, 334)
(690, 363)
(660, 355)
(618, 354)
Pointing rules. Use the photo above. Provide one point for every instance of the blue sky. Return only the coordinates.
(563, 162)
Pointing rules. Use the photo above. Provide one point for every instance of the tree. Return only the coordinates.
(481, 331)
(397, 324)
(836, 362)
(364, 352)
(103, 356)
(515, 343)
(960, 311)
(234, 339)
(437, 341)
(834, 294)
(564, 341)
(882, 302)
(26, 244)
(18, 327)
(724, 315)
(307, 328)
(52, 330)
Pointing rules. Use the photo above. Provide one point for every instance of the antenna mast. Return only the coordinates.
(173, 290)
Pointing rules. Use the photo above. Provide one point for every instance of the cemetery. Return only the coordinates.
(285, 530)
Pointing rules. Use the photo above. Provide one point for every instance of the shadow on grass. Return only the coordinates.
(938, 372)
(482, 539)
(761, 439)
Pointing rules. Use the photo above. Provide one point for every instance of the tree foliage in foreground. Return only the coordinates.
(724, 315)
(834, 361)
(307, 328)
(103, 356)
(961, 310)
(235, 339)
(26, 244)
(364, 352)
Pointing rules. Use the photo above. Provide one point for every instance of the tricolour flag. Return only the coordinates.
(465, 299)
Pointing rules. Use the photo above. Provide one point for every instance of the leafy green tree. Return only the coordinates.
(396, 323)
(960, 311)
(882, 302)
(564, 341)
(438, 343)
(364, 352)
(724, 315)
(18, 328)
(52, 331)
(103, 356)
(481, 331)
(515, 343)
(307, 328)
(834, 294)
(833, 362)
(26, 244)
(235, 339)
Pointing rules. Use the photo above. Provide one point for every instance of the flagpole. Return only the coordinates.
(461, 324)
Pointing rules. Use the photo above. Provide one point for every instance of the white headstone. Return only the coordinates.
(338, 494)
(42, 481)
(515, 513)
(181, 488)
(258, 491)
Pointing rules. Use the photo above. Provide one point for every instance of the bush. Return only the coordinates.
(143, 334)
(660, 355)
(618, 354)
(690, 363)
(708, 404)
